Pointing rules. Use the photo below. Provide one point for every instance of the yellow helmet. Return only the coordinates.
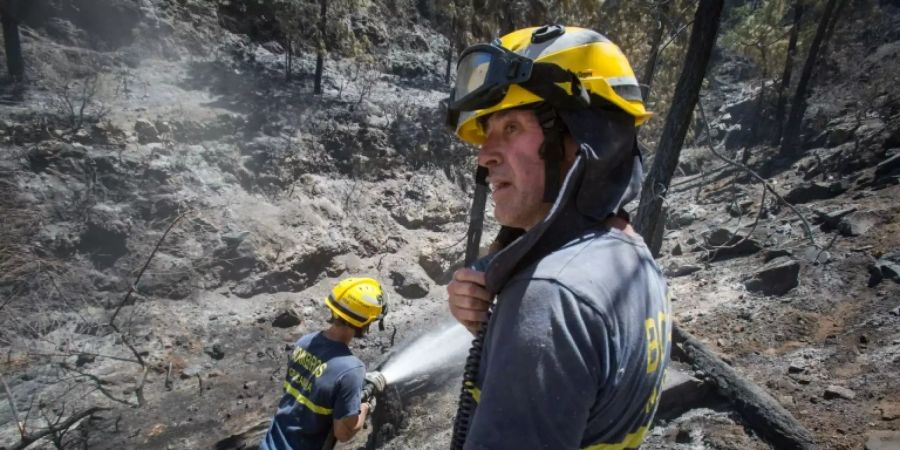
(506, 74)
(358, 301)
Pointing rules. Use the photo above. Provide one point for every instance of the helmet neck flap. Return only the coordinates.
(605, 175)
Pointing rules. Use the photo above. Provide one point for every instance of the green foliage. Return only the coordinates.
(760, 35)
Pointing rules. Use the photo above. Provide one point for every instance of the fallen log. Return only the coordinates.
(757, 408)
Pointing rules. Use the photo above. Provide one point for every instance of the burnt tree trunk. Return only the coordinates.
(829, 31)
(320, 54)
(288, 58)
(687, 92)
(15, 63)
(650, 67)
(791, 138)
(450, 44)
(786, 75)
(758, 116)
(757, 408)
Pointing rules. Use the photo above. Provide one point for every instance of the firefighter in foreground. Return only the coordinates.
(571, 316)
(323, 389)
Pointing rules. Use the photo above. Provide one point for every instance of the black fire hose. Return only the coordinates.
(466, 407)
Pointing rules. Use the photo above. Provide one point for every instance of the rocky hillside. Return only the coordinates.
(175, 210)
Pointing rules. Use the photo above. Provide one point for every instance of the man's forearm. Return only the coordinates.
(346, 428)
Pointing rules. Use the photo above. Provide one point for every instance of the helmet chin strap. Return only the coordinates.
(551, 149)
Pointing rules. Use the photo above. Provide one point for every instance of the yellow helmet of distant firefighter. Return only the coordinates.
(357, 301)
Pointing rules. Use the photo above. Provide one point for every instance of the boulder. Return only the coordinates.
(287, 318)
(146, 132)
(888, 266)
(215, 351)
(858, 223)
(889, 166)
(775, 278)
(769, 255)
(832, 392)
(830, 220)
(724, 243)
(190, 371)
(681, 392)
(811, 191)
(409, 284)
(439, 264)
(678, 219)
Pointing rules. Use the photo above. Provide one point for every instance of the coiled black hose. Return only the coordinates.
(466, 407)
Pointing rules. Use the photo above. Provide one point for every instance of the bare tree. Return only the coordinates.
(687, 91)
(320, 51)
(15, 63)
(788, 68)
(790, 140)
(662, 10)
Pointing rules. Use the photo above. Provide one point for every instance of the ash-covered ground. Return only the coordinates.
(175, 211)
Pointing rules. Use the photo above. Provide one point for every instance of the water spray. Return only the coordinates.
(443, 348)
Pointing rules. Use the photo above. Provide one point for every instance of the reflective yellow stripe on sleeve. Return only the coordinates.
(305, 401)
(632, 440)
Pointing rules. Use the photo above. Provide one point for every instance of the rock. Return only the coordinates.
(738, 210)
(234, 239)
(676, 250)
(732, 244)
(679, 219)
(776, 278)
(888, 266)
(769, 255)
(439, 264)
(813, 255)
(839, 133)
(681, 270)
(796, 368)
(830, 220)
(889, 166)
(883, 440)
(146, 132)
(896, 311)
(84, 359)
(833, 391)
(681, 392)
(857, 223)
(215, 351)
(890, 411)
(718, 236)
(409, 284)
(287, 319)
(189, 372)
(808, 192)
(801, 378)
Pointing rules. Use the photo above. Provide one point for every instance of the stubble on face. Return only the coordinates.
(511, 153)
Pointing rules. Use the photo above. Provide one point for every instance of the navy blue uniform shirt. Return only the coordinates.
(324, 382)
